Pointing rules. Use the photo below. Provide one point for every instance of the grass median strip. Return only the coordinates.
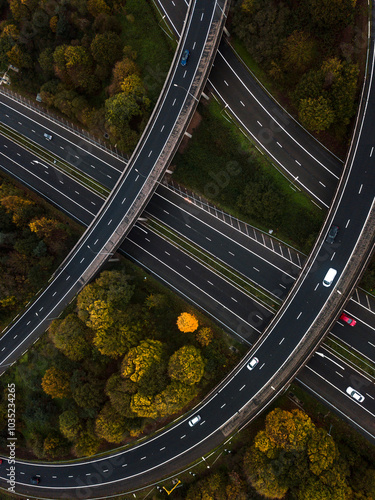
(209, 261)
(354, 359)
(53, 160)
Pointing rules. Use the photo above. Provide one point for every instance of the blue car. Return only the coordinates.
(185, 57)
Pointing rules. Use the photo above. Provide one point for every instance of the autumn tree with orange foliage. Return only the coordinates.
(187, 322)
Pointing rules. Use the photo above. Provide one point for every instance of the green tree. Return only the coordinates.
(106, 48)
(186, 365)
(71, 337)
(70, 424)
(45, 60)
(87, 443)
(120, 392)
(87, 392)
(321, 450)
(112, 288)
(316, 114)
(55, 383)
(332, 14)
(55, 445)
(110, 425)
(155, 300)
(120, 110)
(299, 51)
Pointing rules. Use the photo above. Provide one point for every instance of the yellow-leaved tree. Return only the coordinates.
(187, 322)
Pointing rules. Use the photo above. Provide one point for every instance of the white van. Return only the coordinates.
(329, 277)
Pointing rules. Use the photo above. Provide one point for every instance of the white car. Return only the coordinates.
(252, 363)
(193, 421)
(355, 394)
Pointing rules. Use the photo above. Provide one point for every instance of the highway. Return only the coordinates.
(198, 284)
(275, 272)
(278, 350)
(132, 190)
(291, 148)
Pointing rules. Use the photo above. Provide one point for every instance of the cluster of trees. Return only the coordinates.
(290, 458)
(113, 365)
(32, 243)
(290, 40)
(74, 54)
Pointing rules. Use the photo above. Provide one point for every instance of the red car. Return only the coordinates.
(347, 319)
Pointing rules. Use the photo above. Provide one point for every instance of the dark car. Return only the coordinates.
(185, 57)
(348, 319)
(35, 480)
(332, 234)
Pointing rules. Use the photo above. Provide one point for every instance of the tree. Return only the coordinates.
(47, 228)
(187, 322)
(10, 31)
(55, 445)
(116, 340)
(71, 337)
(155, 300)
(110, 425)
(100, 316)
(120, 110)
(121, 70)
(120, 392)
(70, 424)
(87, 443)
(316, 114)
(112, 289)
(142, 360)
(186, 365)
(321, 450)
(331, 14)
(143, 406)
(96, 7)
(210, 487)
(174, 397)
(22, 210)
(299, 51)
(291, 452)
(204, 336)
(89, 394)
(79, 66)
(262, 477)
(55, 383)
(19, 58)
(106, 48)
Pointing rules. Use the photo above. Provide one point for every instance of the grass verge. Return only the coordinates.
(222, 165)
(141, 31)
